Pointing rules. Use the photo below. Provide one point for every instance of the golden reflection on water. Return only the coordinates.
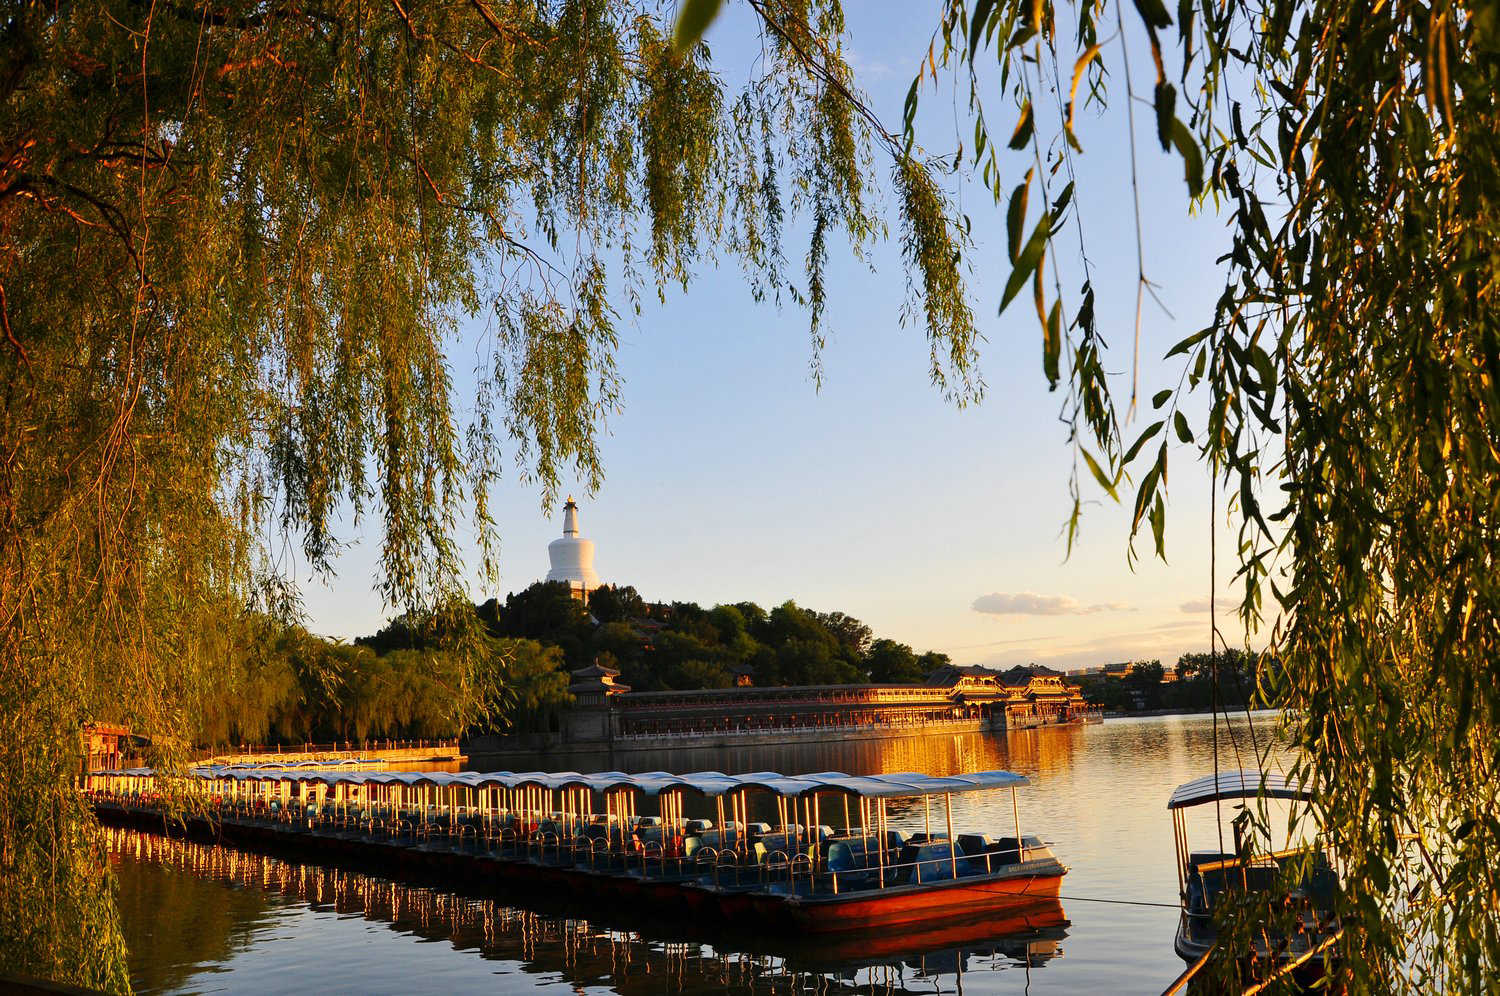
(933, 754)
(191, 910)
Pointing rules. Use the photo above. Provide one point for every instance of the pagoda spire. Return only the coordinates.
(572, 556)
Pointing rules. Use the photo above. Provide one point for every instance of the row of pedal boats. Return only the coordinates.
(815, 852)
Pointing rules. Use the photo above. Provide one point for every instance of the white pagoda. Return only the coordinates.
(572, 556)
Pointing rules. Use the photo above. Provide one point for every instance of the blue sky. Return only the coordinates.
(731, 476)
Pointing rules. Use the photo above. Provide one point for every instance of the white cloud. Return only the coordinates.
(1181, 624)
(1028, 603)
(868, 72)
(1195, 605)
(1091, 652)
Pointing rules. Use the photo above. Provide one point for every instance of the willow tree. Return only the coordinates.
(235, 240)
(1350, 376)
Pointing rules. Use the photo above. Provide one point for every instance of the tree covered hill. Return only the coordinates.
(680, 645)
(416, 676)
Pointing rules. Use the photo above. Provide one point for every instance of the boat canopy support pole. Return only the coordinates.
(1178, 839)
(1015, 808)
(952, 844)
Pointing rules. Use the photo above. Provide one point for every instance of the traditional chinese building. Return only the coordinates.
(1025, 695)
(593, 689)
(105, 746)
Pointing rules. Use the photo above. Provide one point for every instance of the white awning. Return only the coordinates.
(1237, 785)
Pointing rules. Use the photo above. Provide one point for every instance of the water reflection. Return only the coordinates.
(204, 923)
(1035, 750)
(222, 903)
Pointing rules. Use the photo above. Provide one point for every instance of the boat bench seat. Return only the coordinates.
(975, 844)
(1323, 886)
(856, 861)
(716, 839)
(930, 862)
(1256, 878)
(787, 843)
(598, 831)
(848, 855)
(1006, 851)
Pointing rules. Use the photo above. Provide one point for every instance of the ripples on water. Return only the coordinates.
(209, 919)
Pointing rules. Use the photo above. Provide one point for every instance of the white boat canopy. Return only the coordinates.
(1237, 785)
(707, 783)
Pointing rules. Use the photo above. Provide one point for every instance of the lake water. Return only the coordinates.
(208, 919)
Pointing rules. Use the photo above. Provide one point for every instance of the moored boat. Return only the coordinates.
(1291, 892)
(701, 852)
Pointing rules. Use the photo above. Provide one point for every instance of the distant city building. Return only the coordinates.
(572, 556)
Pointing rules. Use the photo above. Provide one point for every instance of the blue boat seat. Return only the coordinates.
(790, 844)
(930, 862)
(1323, 886)
(716, 839)
(854, 854)
(974, 844)
(855, 861)
(1005, 851)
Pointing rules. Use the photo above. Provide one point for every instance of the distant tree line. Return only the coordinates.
(1230, 678)
(513, 658)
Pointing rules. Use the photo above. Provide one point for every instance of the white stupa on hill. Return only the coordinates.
(572, 556)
